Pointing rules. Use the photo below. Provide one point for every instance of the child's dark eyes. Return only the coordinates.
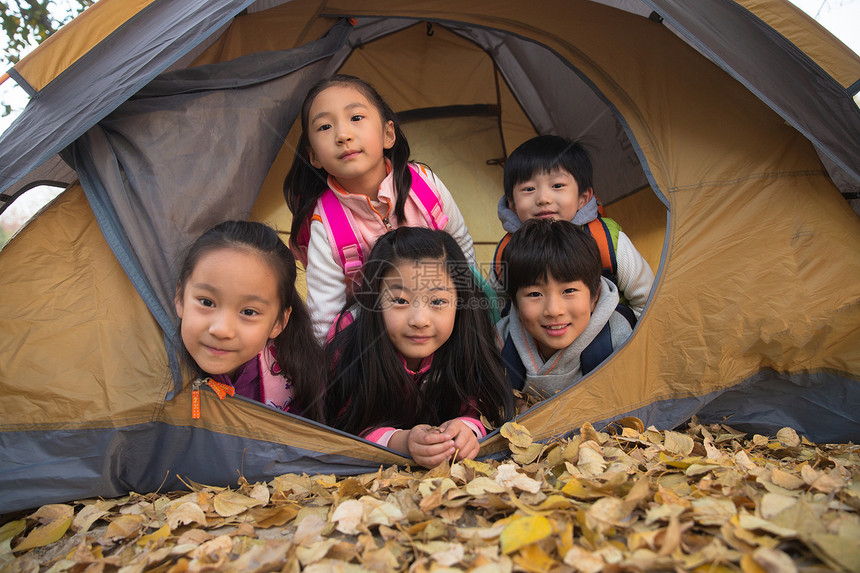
(324, 127)
(571, 290)
(205, 302)
(249, 312)
(533, 294)
(399, 300)
(357, 117)
(439, 302)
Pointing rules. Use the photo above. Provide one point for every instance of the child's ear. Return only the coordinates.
(388, 135)
(281, 324)
(594, 299)
(177, 303)
(312, 157)
(511, 205)
(585, 197)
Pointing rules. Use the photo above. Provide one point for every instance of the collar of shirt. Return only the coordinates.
(422, 368)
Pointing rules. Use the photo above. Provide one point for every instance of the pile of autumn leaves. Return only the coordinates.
(629, 499)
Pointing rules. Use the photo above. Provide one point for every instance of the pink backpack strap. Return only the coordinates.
(342, 235)
(428, 201)
(275, 388)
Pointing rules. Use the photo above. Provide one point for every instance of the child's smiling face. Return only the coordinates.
(348, 136)
(419, 307)
(548, 195)
(554, 312)
(229, 309)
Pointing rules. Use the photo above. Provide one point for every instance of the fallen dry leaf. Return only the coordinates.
(706, 499)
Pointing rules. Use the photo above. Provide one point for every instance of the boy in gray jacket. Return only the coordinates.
(566, 318)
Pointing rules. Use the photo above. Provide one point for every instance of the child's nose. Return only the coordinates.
(553, 306)
(221, 326)
(418, 316)
(344, 134)
(544, 197)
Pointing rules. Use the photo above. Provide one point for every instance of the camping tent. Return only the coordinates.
(724, 133)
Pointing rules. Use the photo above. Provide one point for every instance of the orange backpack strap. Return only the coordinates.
(601, 234)
(497, 258)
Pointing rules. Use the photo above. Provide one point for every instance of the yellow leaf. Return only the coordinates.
(516, 434)
(11, 529)
(45, 534)
(713, 568)
(162, 533)
(534, 559)
(581, 489)
(554, 502)
(524, 531)
(749, 565)
(479, 467)
(229, 503)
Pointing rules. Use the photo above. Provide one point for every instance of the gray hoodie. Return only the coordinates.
(545, 378)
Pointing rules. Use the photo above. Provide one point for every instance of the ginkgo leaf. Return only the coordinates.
(516, 434)
(482, 485)
(788, 437)
(124, 526)
(186, 514)
(676, 443)
(45, 534)
(348, 516)
(11, 529)
(162, 533)
(229, 503)
(523, 531)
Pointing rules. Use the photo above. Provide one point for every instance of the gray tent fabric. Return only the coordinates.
(557, 102)
(239, 111)
(103, 79)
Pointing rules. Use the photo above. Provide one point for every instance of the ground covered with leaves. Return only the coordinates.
(709, 499)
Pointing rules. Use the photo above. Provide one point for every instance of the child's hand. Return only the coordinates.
(429, 445)
(465, 442)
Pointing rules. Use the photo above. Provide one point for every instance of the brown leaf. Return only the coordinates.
(124, 527)
(277, 516)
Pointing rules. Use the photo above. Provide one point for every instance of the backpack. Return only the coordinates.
(343, 233)
(605, 232)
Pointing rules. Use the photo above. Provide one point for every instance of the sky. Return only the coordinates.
(840, 17)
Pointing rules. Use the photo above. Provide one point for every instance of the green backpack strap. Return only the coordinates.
(494, 308)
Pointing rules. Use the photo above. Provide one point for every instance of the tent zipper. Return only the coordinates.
(222, 390)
